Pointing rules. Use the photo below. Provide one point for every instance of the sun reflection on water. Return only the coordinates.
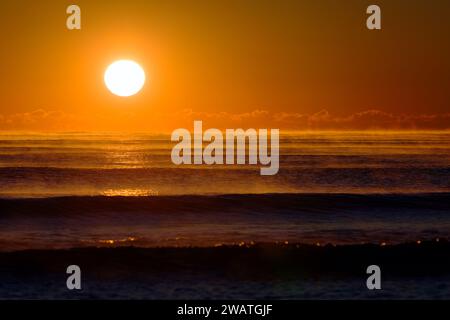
(129, 193)
(117, 241)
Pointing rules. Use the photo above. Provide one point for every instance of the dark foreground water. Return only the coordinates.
(208, 221)
(409, 271)
(279, 246)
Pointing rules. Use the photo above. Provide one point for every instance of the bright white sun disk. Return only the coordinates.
(124, 78)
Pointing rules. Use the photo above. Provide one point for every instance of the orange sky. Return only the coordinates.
(288, 64)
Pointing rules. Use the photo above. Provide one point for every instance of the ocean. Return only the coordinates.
(85, 191)
(80, 164)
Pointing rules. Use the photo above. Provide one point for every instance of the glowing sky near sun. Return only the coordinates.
(255, 61)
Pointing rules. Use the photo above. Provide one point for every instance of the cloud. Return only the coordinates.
(376, 119)
(42, 120)
(322, 120)
(35, 120)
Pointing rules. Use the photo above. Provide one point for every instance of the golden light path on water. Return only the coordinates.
(129, 193)
(130, 240)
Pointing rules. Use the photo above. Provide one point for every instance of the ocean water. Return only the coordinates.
(47, 165)
(78, 189)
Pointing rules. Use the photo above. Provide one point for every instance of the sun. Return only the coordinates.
(124, 78)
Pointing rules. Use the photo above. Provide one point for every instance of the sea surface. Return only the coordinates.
(141, 227)
(78, 189)
(79, 164)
